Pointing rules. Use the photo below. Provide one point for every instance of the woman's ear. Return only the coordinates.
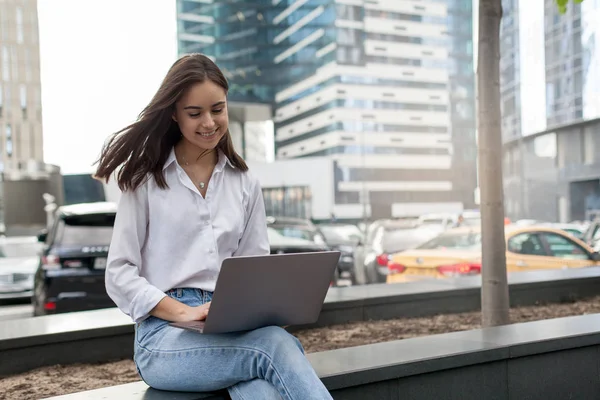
(174, 116)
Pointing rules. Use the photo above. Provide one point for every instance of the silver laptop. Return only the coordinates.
(258, 291)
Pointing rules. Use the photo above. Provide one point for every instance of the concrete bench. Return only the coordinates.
(545, 360)
(105, 335)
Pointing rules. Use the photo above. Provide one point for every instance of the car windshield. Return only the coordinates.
(297, 232)
(338, 233)
(274, 236)
(19, 249)
(577, 233)
(456, 241)
(85, 230)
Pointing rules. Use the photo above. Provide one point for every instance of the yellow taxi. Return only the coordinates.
(457, 252)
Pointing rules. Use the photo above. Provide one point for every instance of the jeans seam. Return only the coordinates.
(283, 384)
(238, 392)
(159, 351)
(249, 349)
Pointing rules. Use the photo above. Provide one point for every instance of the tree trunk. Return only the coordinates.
(494, 289)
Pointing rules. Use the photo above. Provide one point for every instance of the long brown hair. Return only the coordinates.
(143, 147)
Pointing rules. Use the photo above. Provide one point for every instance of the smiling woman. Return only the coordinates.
(189, 203)
(188, 111)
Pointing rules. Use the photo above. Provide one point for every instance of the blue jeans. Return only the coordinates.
(266, 363)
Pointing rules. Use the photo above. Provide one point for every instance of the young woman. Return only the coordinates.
(188, 202)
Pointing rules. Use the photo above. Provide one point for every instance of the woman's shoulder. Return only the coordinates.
(247, 177)
(144, 188)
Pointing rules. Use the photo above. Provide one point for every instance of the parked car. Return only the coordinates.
(457, 252)
(386, 237)
(441, 222)
(470, 218)
(592, 234)
(18, 261)
(280, 244)
(70, 272)
(70, 275)
(572, 229)
(296, 228)
(343, 238)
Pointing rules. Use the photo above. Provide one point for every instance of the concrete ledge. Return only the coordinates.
(104, 335)
(546, 360)
(449, 296)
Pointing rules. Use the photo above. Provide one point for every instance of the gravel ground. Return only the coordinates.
(57, 380)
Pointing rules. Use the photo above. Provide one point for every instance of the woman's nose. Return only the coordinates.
(207, 122)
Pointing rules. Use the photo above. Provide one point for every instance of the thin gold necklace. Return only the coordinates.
(200, 184)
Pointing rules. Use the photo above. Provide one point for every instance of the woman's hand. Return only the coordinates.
(197, 313)
(172, 310)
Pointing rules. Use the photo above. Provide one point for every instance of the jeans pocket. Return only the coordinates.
(147, 326)
(141, 330)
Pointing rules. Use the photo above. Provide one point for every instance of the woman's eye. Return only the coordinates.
(194, 115)
(218, 111)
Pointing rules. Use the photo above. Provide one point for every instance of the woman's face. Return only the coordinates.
(201, 114)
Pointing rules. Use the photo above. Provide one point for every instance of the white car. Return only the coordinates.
(19, 259)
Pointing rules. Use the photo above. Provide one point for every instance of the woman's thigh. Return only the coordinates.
(170, 358)
(176, 359)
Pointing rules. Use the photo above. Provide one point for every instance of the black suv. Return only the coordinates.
(70, 276)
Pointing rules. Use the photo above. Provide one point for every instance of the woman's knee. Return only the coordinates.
(279, 337)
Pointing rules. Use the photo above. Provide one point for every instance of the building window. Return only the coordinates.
(294, 201)
(23, 98)
(5, 63)
(14, 62)
(3, 24)
(9, 141)
(19, 20)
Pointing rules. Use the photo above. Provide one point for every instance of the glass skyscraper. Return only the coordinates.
(573, 62)
(549, 65)
(384, 88)
(253, 41)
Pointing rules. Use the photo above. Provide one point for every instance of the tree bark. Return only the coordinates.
(494, 289)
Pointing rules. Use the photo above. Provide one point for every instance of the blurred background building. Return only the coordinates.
(23, 175)
(550, 84)
(383, 89)
(20, 88)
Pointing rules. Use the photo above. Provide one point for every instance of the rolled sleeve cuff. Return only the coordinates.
(144, 302)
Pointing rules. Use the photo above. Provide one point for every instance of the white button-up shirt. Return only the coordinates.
(175, 238)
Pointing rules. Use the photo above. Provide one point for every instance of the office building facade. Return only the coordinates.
(572, 62)
(384, 88)
(549, 65)
(21, 144)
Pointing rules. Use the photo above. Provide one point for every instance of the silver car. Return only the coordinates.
(19, 259)
(386, 237)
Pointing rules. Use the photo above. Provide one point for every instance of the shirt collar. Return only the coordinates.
(223, 160)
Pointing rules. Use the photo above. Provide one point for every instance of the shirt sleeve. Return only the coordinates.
(133, 294)
(254, 240)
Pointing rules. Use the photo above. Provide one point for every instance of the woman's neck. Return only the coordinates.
(192, 155)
